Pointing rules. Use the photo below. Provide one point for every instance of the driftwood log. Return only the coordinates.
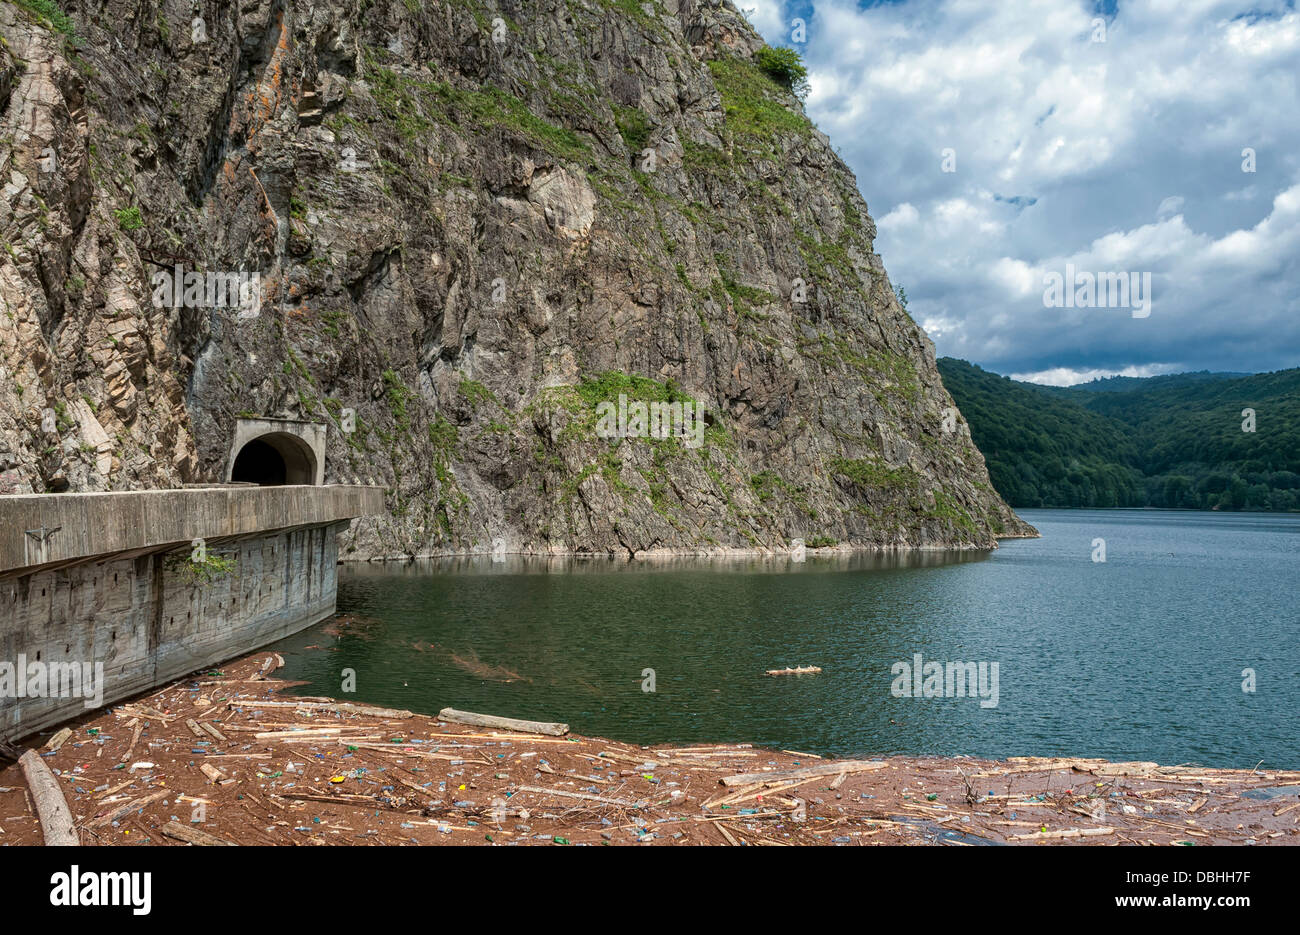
(504, 723)
(51, 807)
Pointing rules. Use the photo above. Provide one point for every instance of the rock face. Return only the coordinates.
(466, 224)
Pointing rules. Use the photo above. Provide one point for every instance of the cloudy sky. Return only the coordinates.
(1107, 136)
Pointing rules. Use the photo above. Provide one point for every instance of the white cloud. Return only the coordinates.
(767, 17)
(1066, 376)
(1017, 277)
(1170, 205)
(902, 216)
(1116, 155)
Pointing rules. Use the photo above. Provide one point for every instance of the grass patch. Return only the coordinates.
(129, 219)
(607, 386)
(51, 15)
(443, 436)
(871, 474)
(202, 569)
(398, 398)
(945, 507)
(476, 393)
(634, 126)
(416, 107)
(752, 103)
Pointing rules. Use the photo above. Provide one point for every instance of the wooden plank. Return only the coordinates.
(507, 723)
(126, 809)
(1057, 835)
(336, 707)
(315, 733)
(174, 829)
(144, 711)
(748, 792)
(59, 739)
(136, 726)
(585, 796)
(361, 801)
(807, 772)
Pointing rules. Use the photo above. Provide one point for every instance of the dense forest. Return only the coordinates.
(1181, 441)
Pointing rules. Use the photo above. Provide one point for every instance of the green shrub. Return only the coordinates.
(129, 219)
(785, 67)
(755, 111)
(203, 570)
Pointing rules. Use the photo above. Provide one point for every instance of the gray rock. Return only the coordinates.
(459, 237)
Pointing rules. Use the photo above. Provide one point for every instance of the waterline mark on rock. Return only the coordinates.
(919, 679)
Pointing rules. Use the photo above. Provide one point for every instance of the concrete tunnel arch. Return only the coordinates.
(277, 452)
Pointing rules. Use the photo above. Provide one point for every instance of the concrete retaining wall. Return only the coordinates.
(148, 621)
(133, 601)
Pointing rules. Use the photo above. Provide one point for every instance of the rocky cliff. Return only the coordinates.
(467, 224)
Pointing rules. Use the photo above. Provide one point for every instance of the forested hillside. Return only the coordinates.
(1171, 441)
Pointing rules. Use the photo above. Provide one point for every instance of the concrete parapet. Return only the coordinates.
(39, 530)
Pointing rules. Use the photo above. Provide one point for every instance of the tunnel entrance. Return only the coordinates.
(274, 460)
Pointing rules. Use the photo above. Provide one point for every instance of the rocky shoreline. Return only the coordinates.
(226, 757)
(840, 550)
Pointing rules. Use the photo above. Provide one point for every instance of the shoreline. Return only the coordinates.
(727, 552)
(258, 767)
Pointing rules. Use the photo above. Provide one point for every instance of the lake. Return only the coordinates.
(1137, 657)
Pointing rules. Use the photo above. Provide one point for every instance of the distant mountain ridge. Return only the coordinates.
(1081, 391)
(1172, 441)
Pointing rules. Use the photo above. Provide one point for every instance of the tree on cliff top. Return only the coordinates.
(785, 67)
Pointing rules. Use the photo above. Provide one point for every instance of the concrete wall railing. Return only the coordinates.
(40, 530)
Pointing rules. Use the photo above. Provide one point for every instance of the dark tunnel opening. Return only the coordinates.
(273, 461)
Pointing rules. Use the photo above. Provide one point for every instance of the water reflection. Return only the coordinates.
(815, 563)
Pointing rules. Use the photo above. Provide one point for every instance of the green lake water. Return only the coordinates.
(1139, 657)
